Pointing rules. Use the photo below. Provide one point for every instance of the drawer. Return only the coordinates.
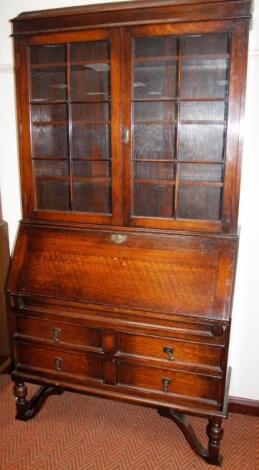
(35, 357)
(169, 349)
(59, 332)
(168, 381)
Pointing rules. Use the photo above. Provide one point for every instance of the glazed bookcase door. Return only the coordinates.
(74, 114)
(180, 105)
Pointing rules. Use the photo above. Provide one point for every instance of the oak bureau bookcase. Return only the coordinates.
(130, 137)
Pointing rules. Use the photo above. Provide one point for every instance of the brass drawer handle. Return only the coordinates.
(56, 332)
(166, 382)
(58, 364)
(170, 353)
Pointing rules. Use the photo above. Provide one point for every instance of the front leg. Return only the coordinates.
(215, 434)
(20, 393)
(27, 409)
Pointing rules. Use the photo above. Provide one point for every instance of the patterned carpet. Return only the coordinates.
(76, 432)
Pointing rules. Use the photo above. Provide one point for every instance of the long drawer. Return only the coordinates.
(36, 358)
(168, 382)
(169, 349)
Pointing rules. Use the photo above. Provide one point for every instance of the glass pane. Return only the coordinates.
(52, 194)
(156, 47)
(206, 44)
(91, 112)
(90, 82)
(92, 197)
(202, 172)
(155, 79)
(155, 170)
(204, 78)
(49, 84)
(48, 168)
(91, 169)
(153, 200)
(48, 54)
(198, 111)
(154, 142)
(48, 112)
(90, 142)
(50, 141)
(155, 112)
(201, 142)
(89, 51)
(199, 202)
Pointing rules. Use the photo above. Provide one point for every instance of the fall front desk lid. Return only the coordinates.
(173, 274)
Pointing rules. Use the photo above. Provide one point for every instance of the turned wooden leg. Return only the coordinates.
(27, 409)
(215, 434)
(20, 393)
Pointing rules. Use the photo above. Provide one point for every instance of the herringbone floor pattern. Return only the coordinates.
(76, 432)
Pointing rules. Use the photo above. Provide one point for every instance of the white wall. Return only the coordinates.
(244, 350)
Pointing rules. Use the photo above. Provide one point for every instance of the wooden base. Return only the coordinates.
(27, 409)
(214, 433)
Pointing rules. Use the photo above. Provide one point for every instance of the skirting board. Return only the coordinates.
(243, 406)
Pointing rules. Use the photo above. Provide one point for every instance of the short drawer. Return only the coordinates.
(169, 349)
(58, 332)
(35, 357)
(168, 381)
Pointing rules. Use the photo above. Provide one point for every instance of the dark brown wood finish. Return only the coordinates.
(27, 409)
(122, 277)
(134, 12)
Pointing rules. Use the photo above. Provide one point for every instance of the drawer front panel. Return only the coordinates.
(59, 332)
(59, 361)
(168, 382)
(169, 349)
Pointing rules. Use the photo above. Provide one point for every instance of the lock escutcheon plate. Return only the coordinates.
(118, 238)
